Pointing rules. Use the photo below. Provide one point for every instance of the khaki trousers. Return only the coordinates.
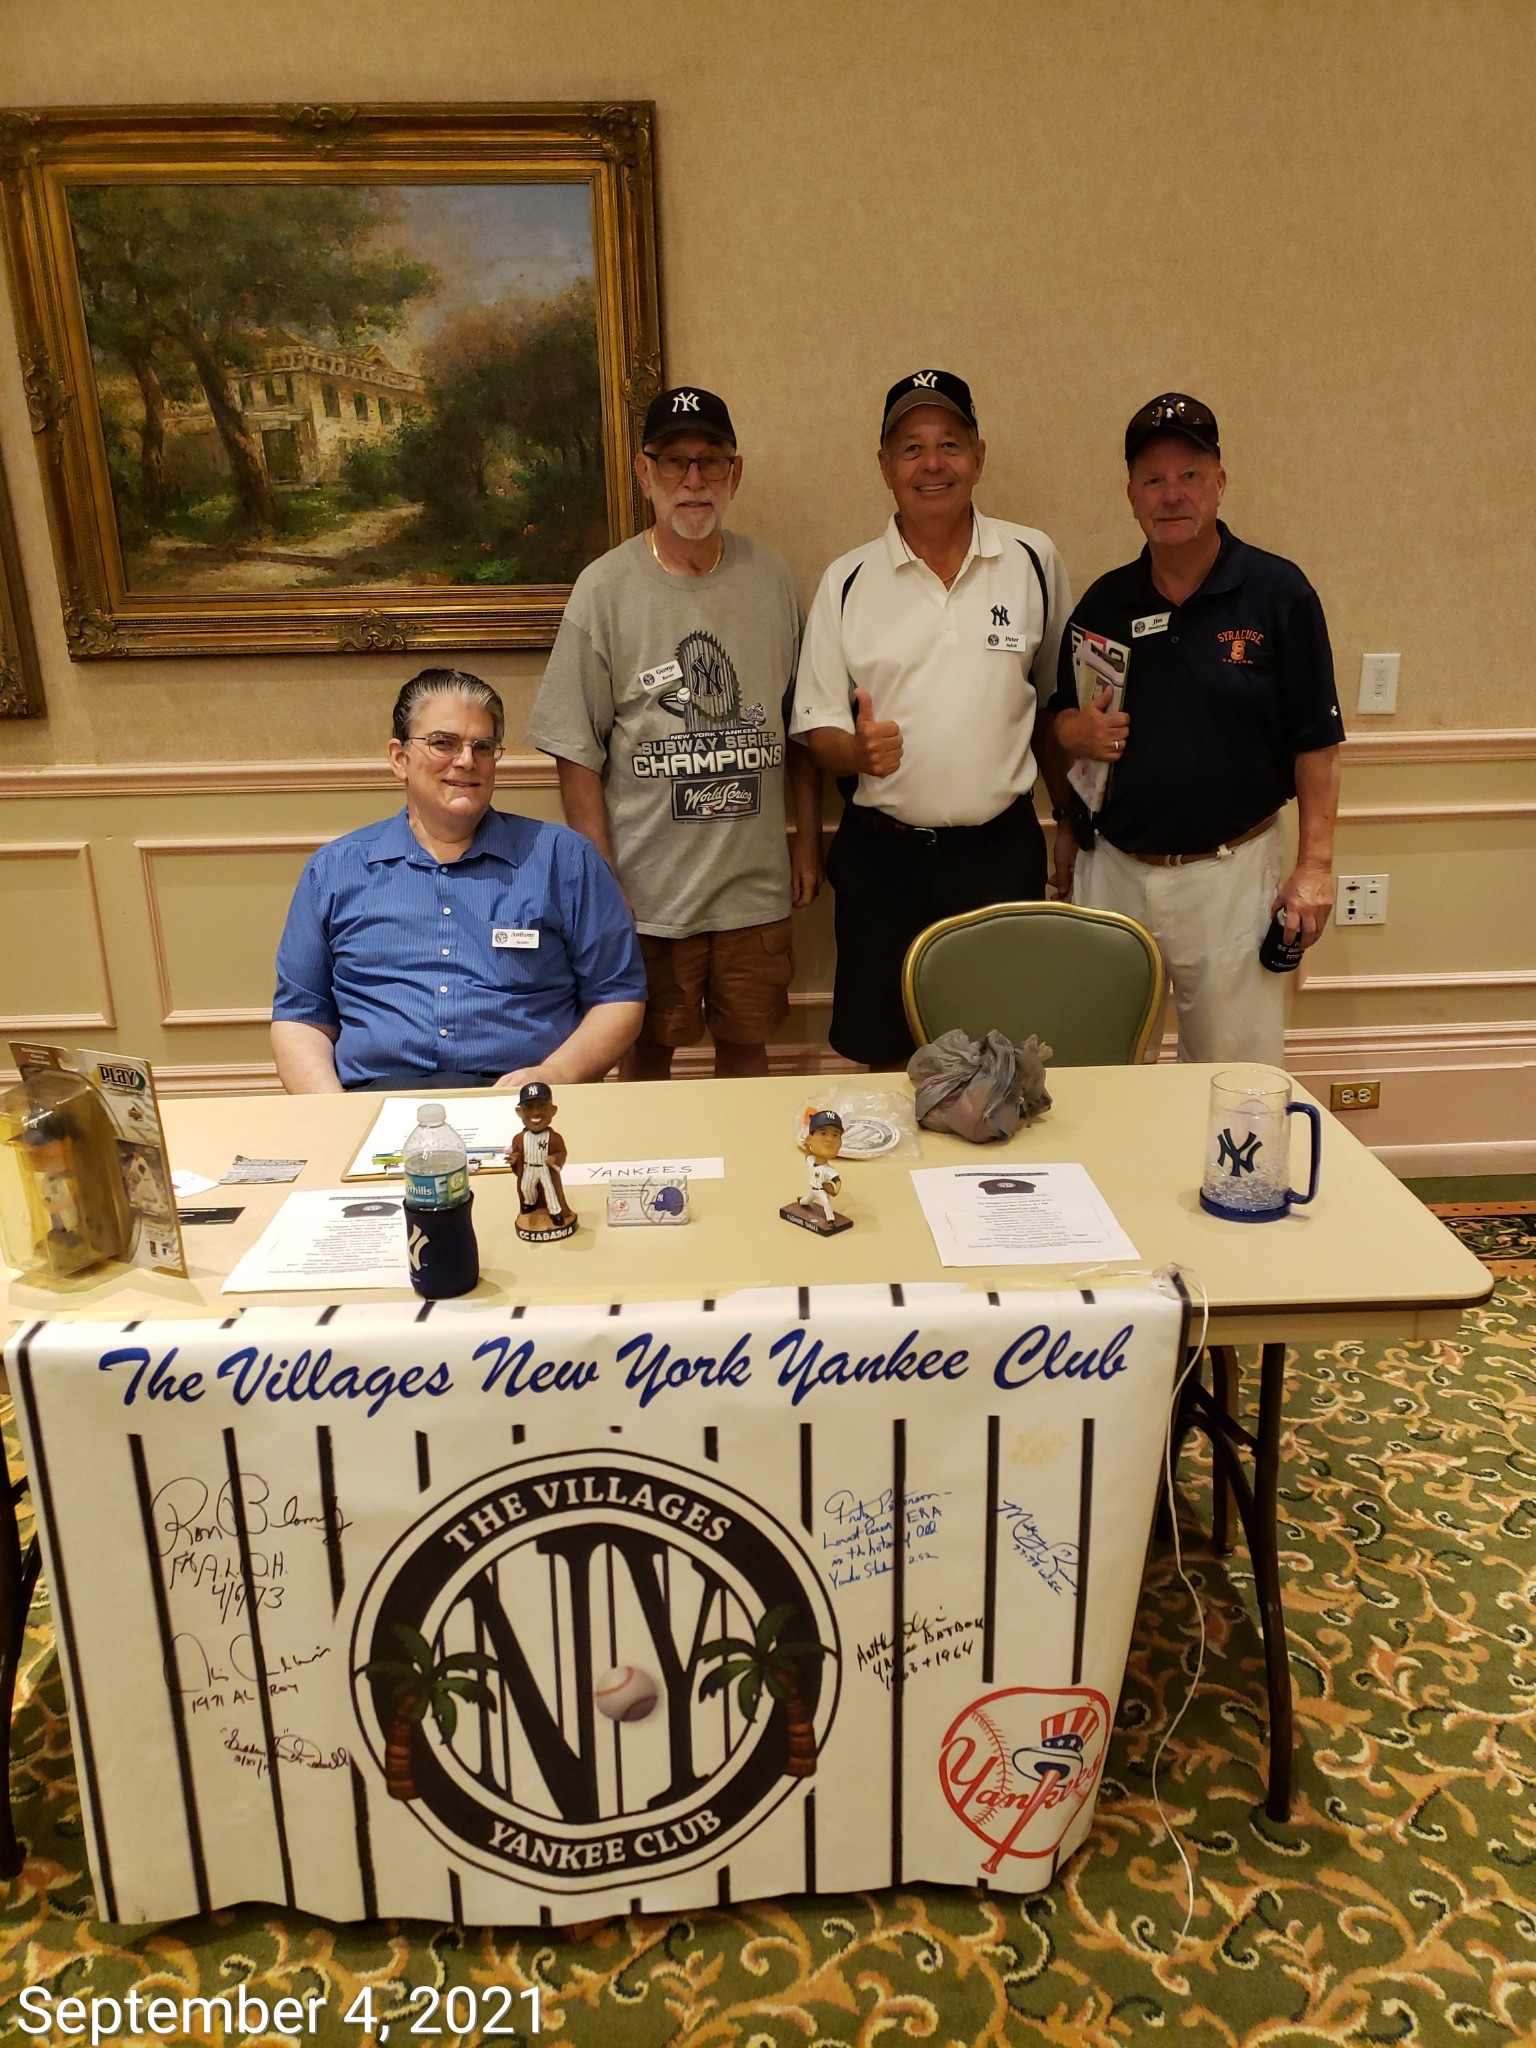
(1209, 919)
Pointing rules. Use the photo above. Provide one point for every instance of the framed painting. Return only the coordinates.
(347, 378)
(21, 680)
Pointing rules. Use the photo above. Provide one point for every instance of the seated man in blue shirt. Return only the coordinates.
(454, 943)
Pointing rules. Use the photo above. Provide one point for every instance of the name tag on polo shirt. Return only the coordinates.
(523, 942)
(1154, 622)
(657, 678)
(1007, 643)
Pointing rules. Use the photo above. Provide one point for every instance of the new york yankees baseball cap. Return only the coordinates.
(1174, 413)
(534, 1091)
(928, 387)
(685, 409)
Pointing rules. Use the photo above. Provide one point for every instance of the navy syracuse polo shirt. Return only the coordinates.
(1221, 698)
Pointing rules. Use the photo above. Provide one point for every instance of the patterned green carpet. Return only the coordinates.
(1396, 1907)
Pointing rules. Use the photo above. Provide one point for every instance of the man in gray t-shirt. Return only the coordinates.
(664, 707)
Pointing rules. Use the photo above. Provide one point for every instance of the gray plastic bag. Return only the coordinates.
(980, 1092)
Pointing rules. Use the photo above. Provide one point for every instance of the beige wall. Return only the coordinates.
(1316, 217)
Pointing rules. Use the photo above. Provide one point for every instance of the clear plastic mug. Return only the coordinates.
(1248, 1146)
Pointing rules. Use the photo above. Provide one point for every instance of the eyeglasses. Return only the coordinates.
(713, 468)
(447, 746)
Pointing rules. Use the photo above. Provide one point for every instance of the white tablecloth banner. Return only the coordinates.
(508, 1617)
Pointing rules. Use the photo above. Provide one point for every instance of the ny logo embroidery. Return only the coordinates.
(1000, 615)
(927, 378)
(686, 401)
(1238, 1159)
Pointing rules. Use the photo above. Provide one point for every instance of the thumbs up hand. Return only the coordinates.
(877, 741)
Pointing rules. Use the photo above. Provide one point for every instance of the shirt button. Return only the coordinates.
(446, 911)
(442, 988)
(445, 952)
(442, 1034)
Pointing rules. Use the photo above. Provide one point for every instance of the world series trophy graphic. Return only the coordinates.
(536, 1156)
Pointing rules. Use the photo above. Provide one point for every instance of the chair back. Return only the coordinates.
(1088, 983)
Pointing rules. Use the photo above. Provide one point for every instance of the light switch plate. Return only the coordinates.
(1378, 683)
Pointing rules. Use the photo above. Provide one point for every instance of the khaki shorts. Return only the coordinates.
(736, 982)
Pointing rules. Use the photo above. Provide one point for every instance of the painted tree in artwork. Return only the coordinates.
(508, 456)
(417, 1684)
(774, 1660)
(189, 278)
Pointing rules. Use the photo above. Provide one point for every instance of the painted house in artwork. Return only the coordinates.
(306, 407)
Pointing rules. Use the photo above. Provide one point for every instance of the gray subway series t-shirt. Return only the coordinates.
(672, 689)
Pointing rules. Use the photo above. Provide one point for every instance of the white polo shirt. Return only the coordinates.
(958, 670)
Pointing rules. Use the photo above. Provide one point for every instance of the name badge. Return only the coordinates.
(1006, 643)
(1154, 622)
(523, 942)
(657, 678)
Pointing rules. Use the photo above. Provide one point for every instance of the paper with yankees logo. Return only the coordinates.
(505, 1617)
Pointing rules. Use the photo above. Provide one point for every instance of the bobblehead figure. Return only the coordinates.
(814, 1211)
(536, 1156)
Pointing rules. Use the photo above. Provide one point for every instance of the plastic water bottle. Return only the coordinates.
(439, 1208)
(434, 1161)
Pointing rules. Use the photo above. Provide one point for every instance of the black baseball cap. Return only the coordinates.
(824, 1120)
(928, 387)
(685, 409)
(1174, 413)
(534, 1091)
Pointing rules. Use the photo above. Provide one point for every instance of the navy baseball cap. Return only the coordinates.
(686, 409)
(1174, 413)
(534, 1091)
(824, 1120)
(928, 387)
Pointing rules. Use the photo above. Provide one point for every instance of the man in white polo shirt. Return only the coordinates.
(923, 657)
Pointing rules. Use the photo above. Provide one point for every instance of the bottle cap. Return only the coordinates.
(431, 1113)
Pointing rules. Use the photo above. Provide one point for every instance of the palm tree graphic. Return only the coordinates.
(420, 1684)
(769, 1661)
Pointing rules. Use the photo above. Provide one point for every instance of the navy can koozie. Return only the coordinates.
(440, 1244)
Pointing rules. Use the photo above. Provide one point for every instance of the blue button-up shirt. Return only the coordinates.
(478, 965)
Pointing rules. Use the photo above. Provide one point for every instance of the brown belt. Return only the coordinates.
(1182, 860)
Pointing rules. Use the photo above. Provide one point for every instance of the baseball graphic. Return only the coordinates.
(625, 1694)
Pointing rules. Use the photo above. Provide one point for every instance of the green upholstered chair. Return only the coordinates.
(1088, 983)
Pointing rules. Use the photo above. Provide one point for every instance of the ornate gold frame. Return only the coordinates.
(21, 680)
(44, 151)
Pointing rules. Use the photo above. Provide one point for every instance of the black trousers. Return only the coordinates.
(890, 886)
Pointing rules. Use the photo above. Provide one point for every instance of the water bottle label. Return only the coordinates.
(437, 1190)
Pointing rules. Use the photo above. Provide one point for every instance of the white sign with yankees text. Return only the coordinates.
(501, 1616)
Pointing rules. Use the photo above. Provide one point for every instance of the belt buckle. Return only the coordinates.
(927, 833)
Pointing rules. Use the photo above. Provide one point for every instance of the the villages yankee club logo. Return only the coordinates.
(592, 1665)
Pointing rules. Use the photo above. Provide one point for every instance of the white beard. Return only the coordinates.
(691, 514)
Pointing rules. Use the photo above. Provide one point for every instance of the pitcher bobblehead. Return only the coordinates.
(536, 1156)
(814, 1211)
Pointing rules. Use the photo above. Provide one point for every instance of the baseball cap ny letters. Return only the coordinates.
(1174, 413)
(928, 387)
(687, 410)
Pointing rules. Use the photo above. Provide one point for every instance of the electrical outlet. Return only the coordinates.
(1378, 683)
(1362, 899)
(1354, 1095)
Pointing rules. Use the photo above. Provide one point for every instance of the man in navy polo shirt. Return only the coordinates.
(1229, 711)
(453, 943)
